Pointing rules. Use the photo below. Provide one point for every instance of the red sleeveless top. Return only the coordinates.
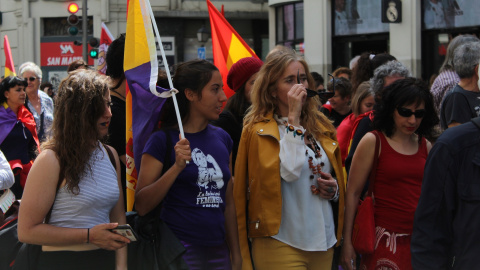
(397, 186)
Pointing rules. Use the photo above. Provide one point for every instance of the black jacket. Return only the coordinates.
(446, 230)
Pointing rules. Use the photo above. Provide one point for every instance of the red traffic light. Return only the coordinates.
(73, 8)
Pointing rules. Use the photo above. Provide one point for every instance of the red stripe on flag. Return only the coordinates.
(222, 33)
(9, 66)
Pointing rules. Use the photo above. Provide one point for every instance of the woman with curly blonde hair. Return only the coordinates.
(288, 184)
(73, 197)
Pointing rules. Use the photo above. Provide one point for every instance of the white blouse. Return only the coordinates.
(307, 219)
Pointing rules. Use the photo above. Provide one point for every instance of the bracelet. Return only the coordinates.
(88, 235)
(337, 193)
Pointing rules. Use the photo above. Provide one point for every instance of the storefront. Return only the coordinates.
(357, 28)
(442, 21)
(334, 31)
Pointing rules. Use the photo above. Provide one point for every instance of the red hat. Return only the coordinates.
(241, 71)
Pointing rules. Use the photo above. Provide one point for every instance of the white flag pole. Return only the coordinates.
(173, 91)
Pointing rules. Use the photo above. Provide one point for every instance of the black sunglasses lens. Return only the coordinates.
(311, 93)
(420, 113)
(404, 112)
(407, 113)
(326, 95)
(32, 79)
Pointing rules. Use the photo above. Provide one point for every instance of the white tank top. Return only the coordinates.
(97, 196)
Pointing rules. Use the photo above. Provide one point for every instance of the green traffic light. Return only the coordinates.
(72, 30)
(94, 53)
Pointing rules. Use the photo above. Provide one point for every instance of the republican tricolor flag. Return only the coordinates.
(146, 99)
(227, 45)
(9, 66)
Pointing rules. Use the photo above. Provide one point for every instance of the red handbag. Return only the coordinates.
(363, 235)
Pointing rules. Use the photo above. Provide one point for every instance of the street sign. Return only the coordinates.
(201, 52)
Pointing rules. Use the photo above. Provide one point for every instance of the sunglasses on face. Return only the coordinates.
(324, 94)
(404, 112)
(31, 79)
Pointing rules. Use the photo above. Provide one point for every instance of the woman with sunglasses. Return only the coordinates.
(403, 116)
(37, 101)
(18, 136)
(289, 187)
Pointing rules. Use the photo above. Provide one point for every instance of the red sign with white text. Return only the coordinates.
(61, 53)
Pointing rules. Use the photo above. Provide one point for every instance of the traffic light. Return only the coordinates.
(94, 43)
(94, 53)
(73, 19)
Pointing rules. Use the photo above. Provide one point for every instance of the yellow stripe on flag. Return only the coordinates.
(141, 48)
(236, 51)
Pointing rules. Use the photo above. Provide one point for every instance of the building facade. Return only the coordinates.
(331, 32)
(38, 29)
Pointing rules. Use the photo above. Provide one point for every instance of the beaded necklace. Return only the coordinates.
(316, 169)
(312, 144)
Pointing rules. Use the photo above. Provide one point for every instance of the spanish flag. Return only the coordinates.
(228, 46)
(144, 98)
(9, 66)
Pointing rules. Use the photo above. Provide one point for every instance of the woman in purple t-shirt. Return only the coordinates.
(197, 197)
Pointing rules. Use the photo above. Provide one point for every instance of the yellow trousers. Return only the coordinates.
(269, 253)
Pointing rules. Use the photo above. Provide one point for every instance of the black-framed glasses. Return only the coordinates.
(404, 112)
(31, 79)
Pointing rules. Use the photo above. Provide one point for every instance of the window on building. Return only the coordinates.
(59, 26)
(290, 26)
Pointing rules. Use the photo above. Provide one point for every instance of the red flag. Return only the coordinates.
(106, 39)
(227, 45)
(9, 66)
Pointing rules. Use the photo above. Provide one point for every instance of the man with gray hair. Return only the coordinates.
(386, 74)
(462, 103)
(383, 76)
(448, 78)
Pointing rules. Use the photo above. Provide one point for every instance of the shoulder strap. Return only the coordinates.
(373, 171)
(110, 156)
(476, 121)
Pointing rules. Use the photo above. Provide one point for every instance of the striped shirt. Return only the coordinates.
(442, 84)
(97, 196)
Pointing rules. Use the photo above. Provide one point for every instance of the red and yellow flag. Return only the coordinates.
(227, 45)
(9, 67)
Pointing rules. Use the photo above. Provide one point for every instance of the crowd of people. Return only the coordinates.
(271, 181)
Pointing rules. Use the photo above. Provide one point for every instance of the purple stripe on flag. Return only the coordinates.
(146, 108)
(8, 119)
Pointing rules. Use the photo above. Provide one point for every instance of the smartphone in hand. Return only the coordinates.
(126, 231)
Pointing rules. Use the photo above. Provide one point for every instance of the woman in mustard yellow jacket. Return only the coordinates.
(289, 187)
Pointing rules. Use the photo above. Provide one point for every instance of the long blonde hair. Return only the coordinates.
(264, 103)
